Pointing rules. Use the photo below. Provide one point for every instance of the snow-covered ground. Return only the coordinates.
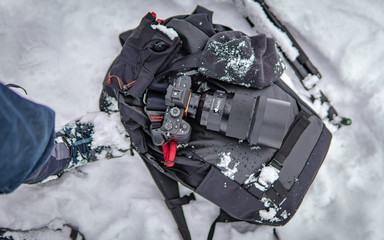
(60, 50)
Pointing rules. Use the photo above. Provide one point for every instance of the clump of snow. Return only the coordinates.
(268, 214)
(320, 108)
(266, 201)
(284, 214)
(268, 175)
(224, 165)
(170, 32)
(310, 81)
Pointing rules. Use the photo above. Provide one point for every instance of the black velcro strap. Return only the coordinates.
(277, 193)
(177, 202)
(280, 189)
(290, 141)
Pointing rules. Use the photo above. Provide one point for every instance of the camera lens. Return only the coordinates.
(214, 110)
(260, 120)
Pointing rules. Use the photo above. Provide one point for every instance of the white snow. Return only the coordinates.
(267, 176)
(310, 81)
(108, 131)
(224, 165)
(284, 214)
(170, 32)
(59, 51)
(256, 13)
(268, 214)
(266, 201)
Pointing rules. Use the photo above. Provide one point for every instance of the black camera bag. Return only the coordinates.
(228, 171)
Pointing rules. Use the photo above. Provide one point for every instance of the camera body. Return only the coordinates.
(259, 120)
(174, 127)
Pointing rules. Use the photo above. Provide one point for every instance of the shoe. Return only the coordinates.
(95, 136)
(78, 139)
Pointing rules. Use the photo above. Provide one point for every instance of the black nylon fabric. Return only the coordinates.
(238, 59)
(134, 69)
(194, 30)
(135, 121)
(231, 197)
